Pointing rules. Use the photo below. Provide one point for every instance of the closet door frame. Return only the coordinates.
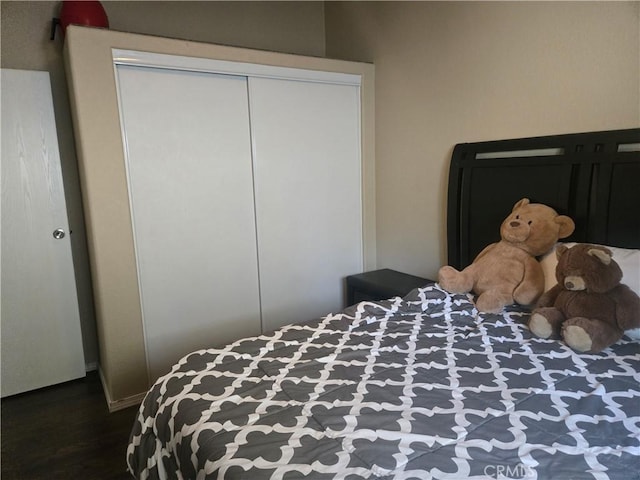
(309, 274)
(89, 57)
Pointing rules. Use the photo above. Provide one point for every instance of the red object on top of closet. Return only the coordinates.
(88, 13)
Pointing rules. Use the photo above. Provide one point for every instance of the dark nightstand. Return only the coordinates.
(381, 284)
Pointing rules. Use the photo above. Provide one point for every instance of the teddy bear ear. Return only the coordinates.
(520, 203)
(560, 249)
(600, 254)
(567, 226)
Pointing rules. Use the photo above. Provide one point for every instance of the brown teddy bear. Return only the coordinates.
(507, 272)
(589, 307)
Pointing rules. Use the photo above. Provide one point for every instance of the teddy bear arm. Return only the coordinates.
(532, 284)
(627, 307)
(548, 298)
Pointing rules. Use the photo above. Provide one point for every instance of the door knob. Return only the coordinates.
(58, 233)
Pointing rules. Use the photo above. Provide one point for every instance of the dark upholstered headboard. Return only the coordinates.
(592, 177)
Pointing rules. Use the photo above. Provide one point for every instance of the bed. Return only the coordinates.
(425, 386)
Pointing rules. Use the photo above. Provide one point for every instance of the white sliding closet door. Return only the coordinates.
(41, 335)
(190, 179)
(308, 195)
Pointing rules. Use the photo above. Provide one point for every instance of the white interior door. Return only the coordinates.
(40, 331)
(188, 151)
(308, 195)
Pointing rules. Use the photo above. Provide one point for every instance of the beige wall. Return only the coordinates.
(290, 27)
(451, 72)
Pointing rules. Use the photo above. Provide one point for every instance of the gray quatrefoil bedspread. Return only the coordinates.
(415, 388)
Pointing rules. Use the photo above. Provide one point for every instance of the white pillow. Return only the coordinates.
(548, 263)
(628, 259)
(634, 333)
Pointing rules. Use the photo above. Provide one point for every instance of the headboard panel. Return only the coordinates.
(592, 177)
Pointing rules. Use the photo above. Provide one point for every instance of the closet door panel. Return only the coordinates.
(308, 195)
(190, 180)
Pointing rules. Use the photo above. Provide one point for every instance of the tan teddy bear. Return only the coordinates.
(589, 307)
(507, 272)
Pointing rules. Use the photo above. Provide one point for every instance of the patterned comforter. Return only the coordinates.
(415, 388)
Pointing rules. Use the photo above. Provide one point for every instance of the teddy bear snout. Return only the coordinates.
(515, 230)
(574, 283)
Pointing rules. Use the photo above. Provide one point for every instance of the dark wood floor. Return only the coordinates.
(64, 432)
